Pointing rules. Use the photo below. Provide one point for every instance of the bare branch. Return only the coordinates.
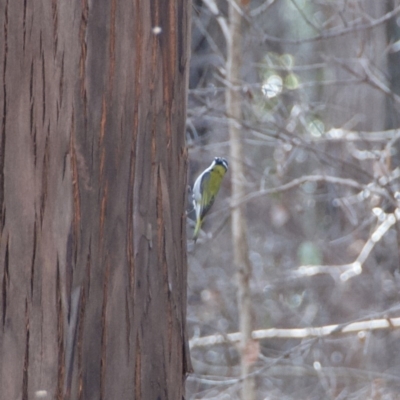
(336, 32)
(261, 8)
(348, 271)
(359, 328)
(370, 188)
(212, 6)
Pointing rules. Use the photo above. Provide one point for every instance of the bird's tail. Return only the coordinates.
(197, 229)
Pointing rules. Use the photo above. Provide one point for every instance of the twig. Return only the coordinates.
(348, 271)
(335, 32)
(300, 333)
(314, 178)
(213, 8)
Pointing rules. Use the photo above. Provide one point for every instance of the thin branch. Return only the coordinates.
(369, 76)
(348, 271)
(371, 188)
(210, 40)
(261, 8)
(300, 371)
(212, 6)
(338, 134)
(304, 16)
(335, 32)
(300, 333)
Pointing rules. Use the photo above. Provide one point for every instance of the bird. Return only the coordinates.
(205, 190)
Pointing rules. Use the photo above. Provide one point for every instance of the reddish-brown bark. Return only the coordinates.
(92, 198)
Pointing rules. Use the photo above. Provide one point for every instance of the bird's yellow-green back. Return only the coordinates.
(217, 173)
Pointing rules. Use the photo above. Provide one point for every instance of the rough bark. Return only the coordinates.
(92, 199)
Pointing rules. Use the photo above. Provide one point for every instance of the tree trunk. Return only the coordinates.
(239, 226)
(92, 199)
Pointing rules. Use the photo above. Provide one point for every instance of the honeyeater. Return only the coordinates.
(206, 188)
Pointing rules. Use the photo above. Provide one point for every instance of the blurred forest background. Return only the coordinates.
(320, 116)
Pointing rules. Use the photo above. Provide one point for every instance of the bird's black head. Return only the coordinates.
(221, 161)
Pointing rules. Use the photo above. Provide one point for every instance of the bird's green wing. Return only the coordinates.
(208, 198)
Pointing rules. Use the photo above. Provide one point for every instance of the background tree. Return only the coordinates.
(319, 127)
(92, 199)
